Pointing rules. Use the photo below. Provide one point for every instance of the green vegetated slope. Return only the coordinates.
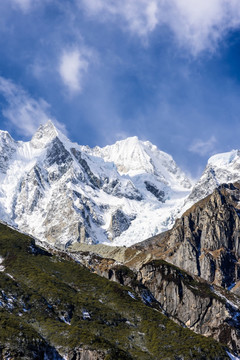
(53, 307)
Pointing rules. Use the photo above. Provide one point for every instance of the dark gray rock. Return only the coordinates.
(159, 194)
(119, 223)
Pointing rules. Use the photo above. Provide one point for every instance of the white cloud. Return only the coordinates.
(23, 112)
(196, 24)
(202, 147)
(73, 66)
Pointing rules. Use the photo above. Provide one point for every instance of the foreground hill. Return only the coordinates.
(53, 308)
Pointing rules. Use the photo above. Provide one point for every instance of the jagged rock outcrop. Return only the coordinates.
(159, 194)
(7, 149)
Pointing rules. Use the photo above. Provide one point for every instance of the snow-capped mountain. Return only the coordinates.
(221, 168)
(62, 192)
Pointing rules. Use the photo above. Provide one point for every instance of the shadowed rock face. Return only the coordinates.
(119, 223)
(159, 194)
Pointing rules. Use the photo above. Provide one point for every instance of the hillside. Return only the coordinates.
(53, 308)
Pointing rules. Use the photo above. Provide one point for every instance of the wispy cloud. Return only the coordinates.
(25, 5)
(202, 147)
(22, 4)
(72, 68)
(22, 111)
(197, 25)
(140, 16)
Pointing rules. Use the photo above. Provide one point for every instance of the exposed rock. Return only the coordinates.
(57, 155)
(119, 223)
(96, 182)
(85, 354)
(7, 149)
(205, 241)
(159, 194)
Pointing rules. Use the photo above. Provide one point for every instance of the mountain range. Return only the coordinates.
(119, 195)
(175, 251)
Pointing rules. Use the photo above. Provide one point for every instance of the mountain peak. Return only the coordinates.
(224, 159)
(44, 134)
(130, 139)
(136, 158)
(129, 155)
(6, 137)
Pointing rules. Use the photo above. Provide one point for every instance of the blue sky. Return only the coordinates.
(166, 71)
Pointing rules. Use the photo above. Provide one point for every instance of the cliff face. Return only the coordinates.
(192, 303)
(205, 241)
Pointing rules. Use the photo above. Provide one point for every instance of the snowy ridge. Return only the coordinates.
(61, 192)
(134, 157)
(221, 168)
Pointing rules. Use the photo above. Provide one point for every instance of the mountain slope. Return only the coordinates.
(49, 180)
(192, 270)
(53, 308)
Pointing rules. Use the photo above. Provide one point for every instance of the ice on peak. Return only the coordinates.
(221, 168)
(4, 133)
(129, 155)
(135, 157)
(224, 159)
(44, 134)
(130, 139)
